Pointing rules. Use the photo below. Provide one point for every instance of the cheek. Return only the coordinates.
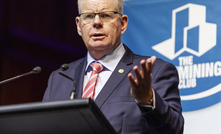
(114, 29)
(85, 32)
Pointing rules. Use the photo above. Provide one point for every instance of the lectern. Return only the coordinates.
(78, 116)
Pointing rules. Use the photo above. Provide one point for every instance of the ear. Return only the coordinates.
(77, 19)
(124, 22)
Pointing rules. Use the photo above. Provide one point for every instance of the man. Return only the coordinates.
(146, 103)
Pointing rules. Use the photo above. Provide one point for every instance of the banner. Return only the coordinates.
(185, 33)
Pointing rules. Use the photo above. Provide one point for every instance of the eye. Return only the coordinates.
(105, 15)
(88, 16)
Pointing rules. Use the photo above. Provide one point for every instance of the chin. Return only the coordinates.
(99, 48)
(98, 45)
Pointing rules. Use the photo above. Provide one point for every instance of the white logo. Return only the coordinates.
(206, 33)
(196, 18)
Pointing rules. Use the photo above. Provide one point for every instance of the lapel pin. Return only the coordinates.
(120, 71)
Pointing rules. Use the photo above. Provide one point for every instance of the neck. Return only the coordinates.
(99, 54)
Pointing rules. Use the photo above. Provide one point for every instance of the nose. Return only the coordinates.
(97, 21)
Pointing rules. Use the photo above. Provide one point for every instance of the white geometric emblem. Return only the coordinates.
(197, 18)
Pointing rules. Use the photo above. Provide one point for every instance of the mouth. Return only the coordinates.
(98, 36)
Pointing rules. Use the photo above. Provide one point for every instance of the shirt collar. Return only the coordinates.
(110, 61)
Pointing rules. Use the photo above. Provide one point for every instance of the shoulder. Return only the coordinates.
(159, 64)
(76, 63)
(72, 66)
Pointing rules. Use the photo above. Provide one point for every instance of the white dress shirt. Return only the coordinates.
(110, 62)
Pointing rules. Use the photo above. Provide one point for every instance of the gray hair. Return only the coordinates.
(119, 4)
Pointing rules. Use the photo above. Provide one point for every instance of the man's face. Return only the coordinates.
(101, 38)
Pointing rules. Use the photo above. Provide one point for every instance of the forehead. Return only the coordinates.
(98, 5)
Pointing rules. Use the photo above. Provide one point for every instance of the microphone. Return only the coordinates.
(35, 70)
(65, 67)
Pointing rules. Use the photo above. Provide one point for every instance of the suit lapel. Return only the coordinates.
(116, 77)
(79, 77)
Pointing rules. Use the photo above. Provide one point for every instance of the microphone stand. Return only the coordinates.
(64, 67)
(35, 70)
(14, 78)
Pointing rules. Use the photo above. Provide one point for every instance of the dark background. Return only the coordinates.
(35, 33)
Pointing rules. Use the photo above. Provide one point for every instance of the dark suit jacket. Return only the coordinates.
(116, 102)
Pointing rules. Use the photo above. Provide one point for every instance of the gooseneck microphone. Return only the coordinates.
(35, 70)
(65, 67)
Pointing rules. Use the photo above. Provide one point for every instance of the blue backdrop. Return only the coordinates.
(184, 32)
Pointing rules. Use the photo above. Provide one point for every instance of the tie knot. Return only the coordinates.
(97, 67)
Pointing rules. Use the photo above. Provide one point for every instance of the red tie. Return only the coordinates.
(89, 89)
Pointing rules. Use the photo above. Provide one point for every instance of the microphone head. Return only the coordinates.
(64, 67)
(36, 70)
